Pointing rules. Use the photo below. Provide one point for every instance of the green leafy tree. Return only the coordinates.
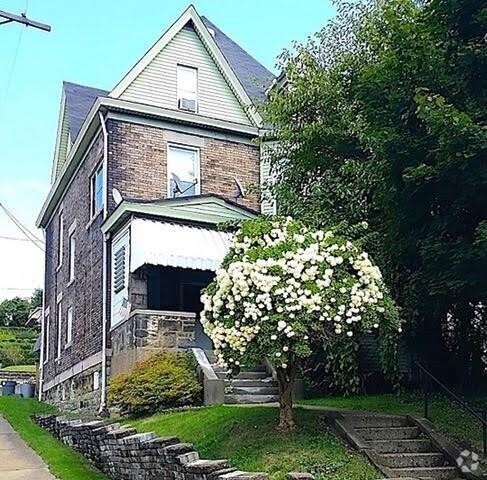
(36, 299)
(382, 117)
(283, 288)
(14, 312)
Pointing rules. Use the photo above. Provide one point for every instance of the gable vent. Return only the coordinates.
(119, 270)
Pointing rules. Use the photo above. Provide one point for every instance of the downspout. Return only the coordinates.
(43, 331)
(103, 396)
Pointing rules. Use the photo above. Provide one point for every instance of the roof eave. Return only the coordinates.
(190, 14)
(90, 125)
(163, 211)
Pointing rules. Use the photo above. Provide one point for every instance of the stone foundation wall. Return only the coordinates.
(77, 394)
(123, 454)
(146, 332)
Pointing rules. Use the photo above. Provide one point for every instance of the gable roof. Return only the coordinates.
(209, 209)
(253, 76)
(79, 100)
(239, 58)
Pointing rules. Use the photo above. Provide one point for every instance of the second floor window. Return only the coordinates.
(183, 171)
(72, 253)
(187, 79)
(97, 192)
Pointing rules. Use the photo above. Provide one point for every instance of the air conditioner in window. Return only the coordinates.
(187, 104)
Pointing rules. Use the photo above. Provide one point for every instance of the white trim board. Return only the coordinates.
(76, 369)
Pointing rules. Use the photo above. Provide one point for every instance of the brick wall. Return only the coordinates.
(138, 156)
(123, 454)
(146, 332)
(84, 294)
(137, 168)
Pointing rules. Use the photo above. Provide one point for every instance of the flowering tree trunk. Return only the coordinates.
(286, 378)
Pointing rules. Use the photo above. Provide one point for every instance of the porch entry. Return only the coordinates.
(179, 289)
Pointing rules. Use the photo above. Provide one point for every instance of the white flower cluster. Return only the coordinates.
(283, 286)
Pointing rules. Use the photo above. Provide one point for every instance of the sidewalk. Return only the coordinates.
(17, 460)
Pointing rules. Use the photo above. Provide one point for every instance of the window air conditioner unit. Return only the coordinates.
(187, 104)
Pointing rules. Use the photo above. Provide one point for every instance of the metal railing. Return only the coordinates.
(427, 379)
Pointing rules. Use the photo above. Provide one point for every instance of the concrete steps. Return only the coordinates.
(250, 375)
(435, 473)
(249, 386)
(391, 433)
(247, 399)
(417, 459)
(400, 448)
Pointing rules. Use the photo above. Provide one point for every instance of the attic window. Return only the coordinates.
(187, 79)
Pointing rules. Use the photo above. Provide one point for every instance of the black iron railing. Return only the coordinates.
(428, 379)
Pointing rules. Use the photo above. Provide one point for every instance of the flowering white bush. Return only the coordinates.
(282, 284)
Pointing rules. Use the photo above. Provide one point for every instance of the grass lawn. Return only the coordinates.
(20, 368)
(450, 419)
(63, 462)
(248, 438)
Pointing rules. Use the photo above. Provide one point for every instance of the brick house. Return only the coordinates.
(141, 176)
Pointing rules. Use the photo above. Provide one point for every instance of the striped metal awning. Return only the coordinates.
(175, 245)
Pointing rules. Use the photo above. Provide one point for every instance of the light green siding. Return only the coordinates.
(156, 84)
(62, 142)
(268, 204)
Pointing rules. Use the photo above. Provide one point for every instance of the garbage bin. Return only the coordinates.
(27, 390)
(8, 387)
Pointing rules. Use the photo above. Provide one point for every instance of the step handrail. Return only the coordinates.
(427, 376)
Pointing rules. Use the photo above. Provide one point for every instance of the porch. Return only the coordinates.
(162, 256)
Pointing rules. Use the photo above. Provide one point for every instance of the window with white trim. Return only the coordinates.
(72, 255)
(183, 170)
(59, 329)
(69, 326)
(96, 380)
(60, 239)
(97, 190)
(187, 85)
(47, 326)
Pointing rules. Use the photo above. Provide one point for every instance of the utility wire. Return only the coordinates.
(26, 232)
(18, 222)
(16, 239)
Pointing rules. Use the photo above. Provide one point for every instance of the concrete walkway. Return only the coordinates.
(17, 460)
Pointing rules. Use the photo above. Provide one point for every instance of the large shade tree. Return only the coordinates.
(382, 116)
(281, 288)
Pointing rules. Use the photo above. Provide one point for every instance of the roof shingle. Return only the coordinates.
(79, 100)
(253, 76)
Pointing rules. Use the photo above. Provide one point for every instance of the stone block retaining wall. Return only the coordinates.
(123, 454)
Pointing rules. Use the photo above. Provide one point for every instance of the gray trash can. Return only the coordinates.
(8, 387)
(27, 390)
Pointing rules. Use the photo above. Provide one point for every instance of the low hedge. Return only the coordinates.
(17, 346)
(165, 380)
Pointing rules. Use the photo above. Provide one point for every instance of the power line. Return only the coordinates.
(16, 239)
(13, 288)
(25, 231)
(14, 61)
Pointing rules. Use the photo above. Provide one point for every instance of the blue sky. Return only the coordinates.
(95, 43)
